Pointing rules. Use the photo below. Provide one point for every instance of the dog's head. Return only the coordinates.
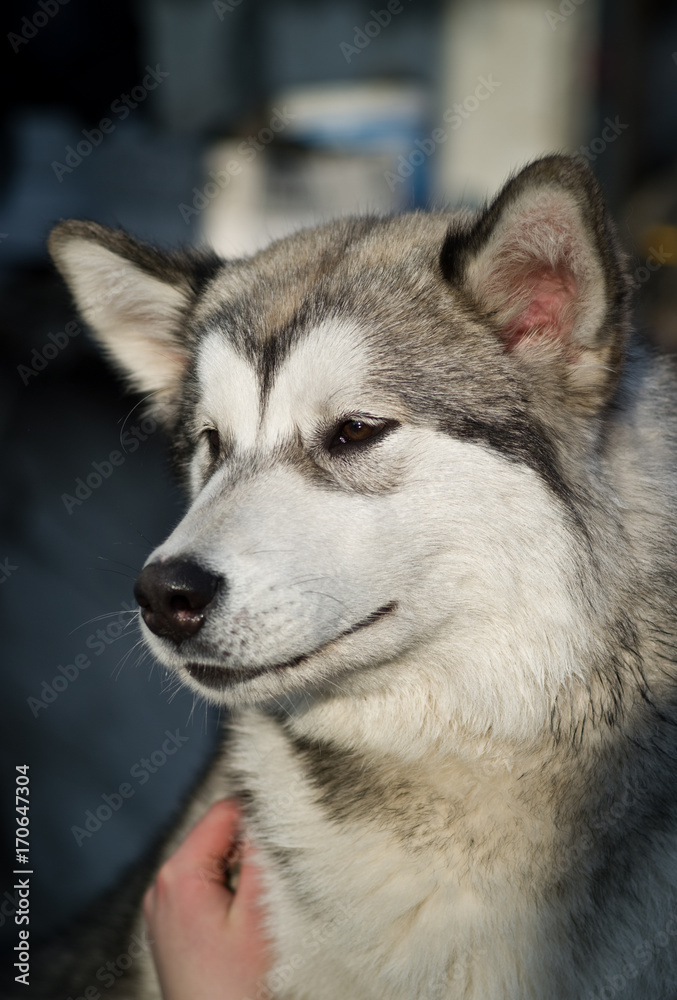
(383, 425)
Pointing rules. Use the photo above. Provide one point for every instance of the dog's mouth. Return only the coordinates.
(215, 677)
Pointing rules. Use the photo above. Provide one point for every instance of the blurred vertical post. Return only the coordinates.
(518, 81)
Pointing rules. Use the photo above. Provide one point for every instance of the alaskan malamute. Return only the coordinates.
(429, 565)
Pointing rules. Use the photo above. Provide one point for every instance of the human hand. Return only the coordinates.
(207, 942)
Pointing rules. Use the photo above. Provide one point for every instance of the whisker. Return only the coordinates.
(132, 621)
(108, 614)
(136, 405)
(117, 670)
(119, 562)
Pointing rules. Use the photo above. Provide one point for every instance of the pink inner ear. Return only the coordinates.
(547, 300)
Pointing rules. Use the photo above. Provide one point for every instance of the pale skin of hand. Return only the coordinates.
(207, 943)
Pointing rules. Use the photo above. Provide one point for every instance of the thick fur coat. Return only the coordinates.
(429, 564)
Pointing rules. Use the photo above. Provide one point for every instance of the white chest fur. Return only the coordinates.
(392, 903)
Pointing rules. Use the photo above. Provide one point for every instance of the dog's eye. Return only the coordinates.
(356, 431)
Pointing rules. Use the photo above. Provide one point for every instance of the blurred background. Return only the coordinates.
(233, 122)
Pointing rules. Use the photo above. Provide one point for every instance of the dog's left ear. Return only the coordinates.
(542, 266)
(136, 299)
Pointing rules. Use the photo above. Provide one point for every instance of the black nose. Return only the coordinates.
(173, 597)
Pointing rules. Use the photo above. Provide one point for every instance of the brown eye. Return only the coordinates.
(356, 431)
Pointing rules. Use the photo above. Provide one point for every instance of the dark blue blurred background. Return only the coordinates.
(325, 107)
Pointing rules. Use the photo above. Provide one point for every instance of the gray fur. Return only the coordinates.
(471, 746)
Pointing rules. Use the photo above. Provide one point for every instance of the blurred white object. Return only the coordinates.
(337, 146)
(538, 57)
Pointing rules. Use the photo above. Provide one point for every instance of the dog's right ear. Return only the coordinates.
(135, 298)
(543, 268)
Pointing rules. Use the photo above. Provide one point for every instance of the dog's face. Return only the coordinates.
(380, 423)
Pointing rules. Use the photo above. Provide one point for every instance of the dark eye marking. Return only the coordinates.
(358, 431)
(214, 442)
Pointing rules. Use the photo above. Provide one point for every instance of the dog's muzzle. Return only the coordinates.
(174, 596)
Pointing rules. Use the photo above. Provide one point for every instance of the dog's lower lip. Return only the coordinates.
(214, 676)
(210, 676)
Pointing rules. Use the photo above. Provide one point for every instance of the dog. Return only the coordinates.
(428, 565)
